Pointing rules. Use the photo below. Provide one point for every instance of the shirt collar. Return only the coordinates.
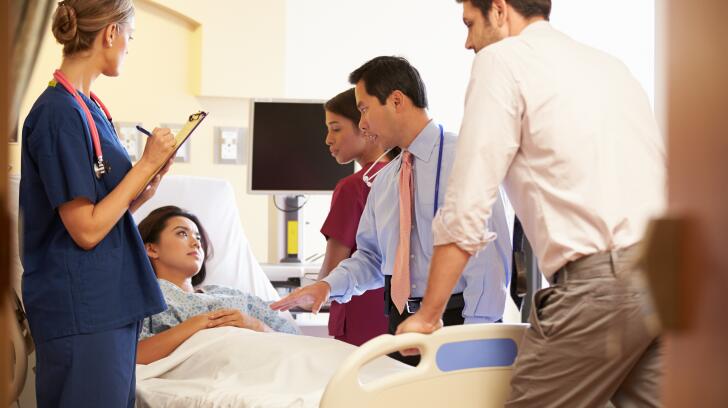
(424, 144)
(538, 25)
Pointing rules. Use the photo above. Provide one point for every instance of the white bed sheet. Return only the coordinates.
(231, 367)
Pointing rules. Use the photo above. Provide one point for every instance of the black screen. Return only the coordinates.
(289, 149)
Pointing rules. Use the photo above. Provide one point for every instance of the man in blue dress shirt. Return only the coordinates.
(392, 99)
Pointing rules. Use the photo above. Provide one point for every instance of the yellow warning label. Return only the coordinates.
(292, 238)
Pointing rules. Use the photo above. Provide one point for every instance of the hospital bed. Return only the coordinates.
(461, 366)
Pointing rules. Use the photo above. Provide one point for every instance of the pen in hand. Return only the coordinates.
(146, 132)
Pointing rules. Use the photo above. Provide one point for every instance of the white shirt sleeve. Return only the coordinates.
(489, 139)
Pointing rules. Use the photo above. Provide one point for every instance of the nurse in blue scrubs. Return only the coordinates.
(87, 281)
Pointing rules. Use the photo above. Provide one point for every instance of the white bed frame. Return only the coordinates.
(432, 383)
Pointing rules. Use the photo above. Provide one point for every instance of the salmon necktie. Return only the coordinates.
(400, 288)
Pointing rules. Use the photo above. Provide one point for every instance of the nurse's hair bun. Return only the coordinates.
(77, 23)
(65, 27)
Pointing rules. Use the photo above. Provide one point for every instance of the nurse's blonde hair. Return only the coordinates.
(76, 23)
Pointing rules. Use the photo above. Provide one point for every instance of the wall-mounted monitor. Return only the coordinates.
(287, 151)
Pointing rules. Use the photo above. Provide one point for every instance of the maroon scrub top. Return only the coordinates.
(362, 318)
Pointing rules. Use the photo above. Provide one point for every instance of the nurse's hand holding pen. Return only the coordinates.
(310, 297)
(160, 144)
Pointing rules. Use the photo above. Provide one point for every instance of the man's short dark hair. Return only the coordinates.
(384, 75)
(526, 8)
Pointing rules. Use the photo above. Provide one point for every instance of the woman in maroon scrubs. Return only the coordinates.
(362, 318)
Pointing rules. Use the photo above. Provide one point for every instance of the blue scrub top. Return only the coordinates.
(67, 290)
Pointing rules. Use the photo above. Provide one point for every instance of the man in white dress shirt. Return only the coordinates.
(571, 134)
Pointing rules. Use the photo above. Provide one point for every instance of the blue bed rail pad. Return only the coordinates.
(479, 353)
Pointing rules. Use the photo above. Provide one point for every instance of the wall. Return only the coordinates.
(623, 28)
(241, 46)
(661, 44)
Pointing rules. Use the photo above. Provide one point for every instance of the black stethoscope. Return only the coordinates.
(369, 179)
(101, 167)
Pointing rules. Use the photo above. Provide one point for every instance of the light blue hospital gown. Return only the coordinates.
(183, 305)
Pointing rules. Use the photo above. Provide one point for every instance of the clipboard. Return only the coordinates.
(180, 138)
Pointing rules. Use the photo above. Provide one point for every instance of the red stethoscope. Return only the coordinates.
(101, 167)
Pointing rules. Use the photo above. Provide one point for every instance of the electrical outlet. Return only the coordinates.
(229, 145)
(130, 139)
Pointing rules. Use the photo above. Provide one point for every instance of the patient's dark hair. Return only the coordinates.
(344, 104)
(153, 224)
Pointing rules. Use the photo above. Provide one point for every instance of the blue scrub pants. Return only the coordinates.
(88, 370)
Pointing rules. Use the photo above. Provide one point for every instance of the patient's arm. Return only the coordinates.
(161, 345)
(336, 252)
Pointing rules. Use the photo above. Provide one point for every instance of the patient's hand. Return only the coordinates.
(236, 318)
(309, 297)
(199, 322)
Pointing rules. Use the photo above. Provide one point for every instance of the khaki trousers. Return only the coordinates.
(592, 340)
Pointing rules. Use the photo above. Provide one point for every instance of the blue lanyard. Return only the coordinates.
(439, 167)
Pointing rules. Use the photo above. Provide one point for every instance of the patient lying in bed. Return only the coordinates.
(177, 246)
